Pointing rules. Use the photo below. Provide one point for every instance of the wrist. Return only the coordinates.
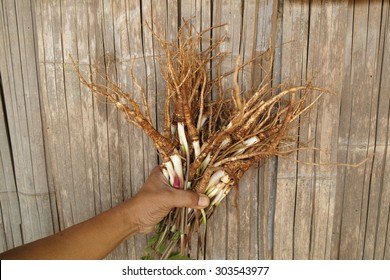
(129, 217)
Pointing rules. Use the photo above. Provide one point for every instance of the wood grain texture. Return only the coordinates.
(294, 182)
(11, 234)
(66, 156)
(30, 197)
(359, 140)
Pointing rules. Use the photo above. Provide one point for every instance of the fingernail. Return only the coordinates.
(203, 200)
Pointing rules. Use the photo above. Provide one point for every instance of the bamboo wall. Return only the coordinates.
(66, 157)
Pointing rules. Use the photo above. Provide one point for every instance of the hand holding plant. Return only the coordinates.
(211, 134)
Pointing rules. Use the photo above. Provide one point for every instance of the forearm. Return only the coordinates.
(92, 239)
(97, 237)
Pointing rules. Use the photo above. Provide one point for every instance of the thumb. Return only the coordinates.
(189, 199)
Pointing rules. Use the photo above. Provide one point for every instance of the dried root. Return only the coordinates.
(208, 143)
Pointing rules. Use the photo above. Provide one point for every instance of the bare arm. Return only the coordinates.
(98, 236)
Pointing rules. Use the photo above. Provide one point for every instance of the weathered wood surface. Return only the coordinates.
(66, 157)
(30, 211)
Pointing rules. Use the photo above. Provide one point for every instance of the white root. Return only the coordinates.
(213, 190)
(202, 122)
(182, 137)
(178, 167)
(165, 173)
(171, 172)
(246, 144)
(205, 163)
(196, 146)
(216, 177)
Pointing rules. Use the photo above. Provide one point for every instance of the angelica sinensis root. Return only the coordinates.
(209, 140)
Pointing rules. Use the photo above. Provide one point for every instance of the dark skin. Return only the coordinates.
(98, 236)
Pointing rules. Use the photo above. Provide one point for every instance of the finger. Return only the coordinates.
(156, 179)
(189, 199)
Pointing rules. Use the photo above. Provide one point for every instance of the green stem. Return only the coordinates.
(169, 249)
(183, 221)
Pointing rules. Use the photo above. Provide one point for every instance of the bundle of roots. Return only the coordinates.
(211, 135)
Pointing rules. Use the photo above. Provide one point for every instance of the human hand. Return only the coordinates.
(96, 237)
(156, 198)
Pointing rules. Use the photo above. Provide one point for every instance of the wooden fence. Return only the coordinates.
(66, 157)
